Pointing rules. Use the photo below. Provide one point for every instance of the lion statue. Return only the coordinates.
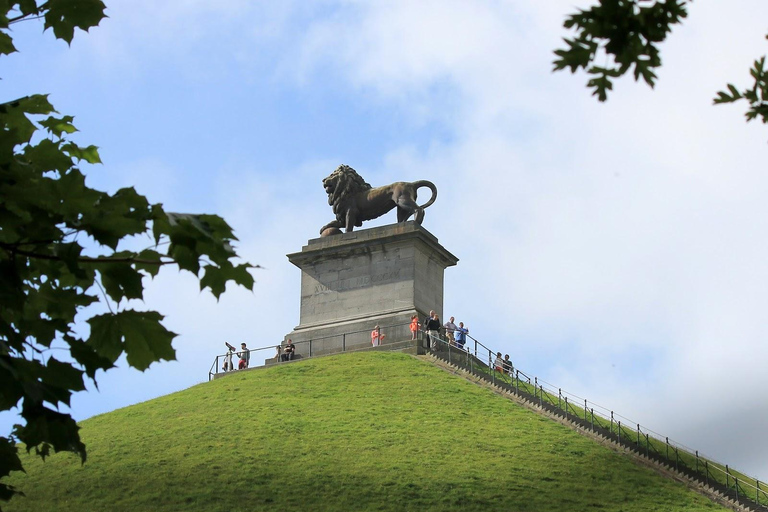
(354, 201)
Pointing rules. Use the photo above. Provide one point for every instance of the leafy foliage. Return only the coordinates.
(626, 34)
(756, 96)
(59, 254)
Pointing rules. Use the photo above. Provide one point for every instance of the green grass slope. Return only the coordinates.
(365, 431)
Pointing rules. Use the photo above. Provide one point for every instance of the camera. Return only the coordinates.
(230, 347)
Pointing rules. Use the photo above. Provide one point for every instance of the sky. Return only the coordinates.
(616, 250)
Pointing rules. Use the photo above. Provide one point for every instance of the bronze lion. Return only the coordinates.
(354, 201)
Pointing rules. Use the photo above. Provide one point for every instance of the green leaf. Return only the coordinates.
(106, 337)
(120, 281)
(6, 44)
(89, 154)
(146, 340)
(216, 278)
(57, 126)
(66, 15)
(139, 333)
(87, 356)
(49, 428)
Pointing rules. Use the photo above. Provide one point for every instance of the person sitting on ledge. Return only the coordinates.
(288, 351)
(377, 337)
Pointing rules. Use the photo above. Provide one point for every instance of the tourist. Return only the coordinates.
(245, 357)
(432, 326)
(228, 366)
(414, 326)
(461, 335)
(498, 363)
(450, 328)
(507, 365)
(288, 351)
(377, 337)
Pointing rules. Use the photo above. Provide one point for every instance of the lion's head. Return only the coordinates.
(342, 183)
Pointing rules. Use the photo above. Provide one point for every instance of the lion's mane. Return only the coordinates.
(341, 184)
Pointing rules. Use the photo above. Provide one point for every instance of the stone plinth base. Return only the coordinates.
(354, 281)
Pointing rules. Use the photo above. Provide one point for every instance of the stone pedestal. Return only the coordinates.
(354, 281)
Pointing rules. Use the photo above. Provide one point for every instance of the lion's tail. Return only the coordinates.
(429, 185)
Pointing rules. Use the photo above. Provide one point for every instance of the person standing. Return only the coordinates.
(507, 365)
(414, 326)
(498, 363)
(228, 365)
(461, 335)
(433, 330)
(245, 357)
(377, 337)
(450, 329)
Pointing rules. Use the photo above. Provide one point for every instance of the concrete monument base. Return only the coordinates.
(352, 282)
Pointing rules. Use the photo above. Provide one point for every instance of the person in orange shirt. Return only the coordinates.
(376, 336)
(414, 326)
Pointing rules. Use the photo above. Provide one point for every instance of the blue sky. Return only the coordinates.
(616, 250)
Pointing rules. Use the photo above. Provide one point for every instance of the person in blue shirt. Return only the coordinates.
(461, 335)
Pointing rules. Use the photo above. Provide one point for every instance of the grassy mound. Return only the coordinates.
(365, 431)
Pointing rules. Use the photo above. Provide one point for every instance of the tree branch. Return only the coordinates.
(82, 259)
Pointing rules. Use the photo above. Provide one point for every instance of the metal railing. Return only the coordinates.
(479, 360)
(395, 337)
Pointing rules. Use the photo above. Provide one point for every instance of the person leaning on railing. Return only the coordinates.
(461, 335)
(450, 329)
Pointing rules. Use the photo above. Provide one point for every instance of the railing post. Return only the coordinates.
(517, 381)
(757, 491)
(677, 457)
(566, 407)
(727, 476)
(647, 445)
(559, 397)
(585, 409)
(541, 396)
(736, 485)
(619, 430)
(310, 348)
(344, 342)
(667, 448)
(611, 422)
(638, 435)
(706, 471)
(535, 387)
(697, 461)
(592, 417)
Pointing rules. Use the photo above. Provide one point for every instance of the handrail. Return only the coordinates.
(308, 345)
(733, 483)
